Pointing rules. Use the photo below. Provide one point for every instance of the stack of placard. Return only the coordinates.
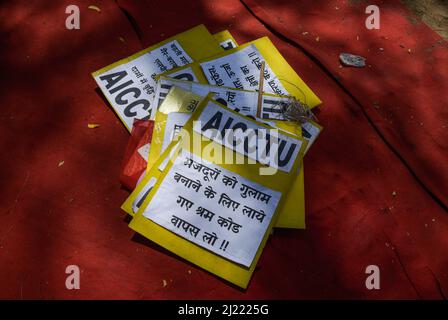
(224, 164)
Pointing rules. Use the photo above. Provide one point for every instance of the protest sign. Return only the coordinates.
(233, 261)
(240, 68)
(222, 130)
(232, 209)
(171, 115)
(129, 84)
(292, 214)
(243, 101)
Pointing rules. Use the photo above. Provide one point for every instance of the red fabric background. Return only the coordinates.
(54, 216)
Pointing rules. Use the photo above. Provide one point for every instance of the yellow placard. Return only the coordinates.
(280, 181)
(177, 100)
(129, 84)
(284, 72)
(292, 214)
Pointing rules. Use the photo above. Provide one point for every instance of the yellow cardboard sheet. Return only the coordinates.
(135, 98)
(292, 214)
(281, 181)
(177, 100)
(285, 73)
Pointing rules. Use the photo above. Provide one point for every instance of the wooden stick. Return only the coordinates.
(260, 89)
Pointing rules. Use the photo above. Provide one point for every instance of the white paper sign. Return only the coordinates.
(169, 56)
(213, 208)
(244, 102)
(241, 70)
(256, 142)
(130, 87)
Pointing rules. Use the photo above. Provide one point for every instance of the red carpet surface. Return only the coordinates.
(376, 179)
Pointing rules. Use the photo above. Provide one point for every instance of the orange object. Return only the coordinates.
(136, 154)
